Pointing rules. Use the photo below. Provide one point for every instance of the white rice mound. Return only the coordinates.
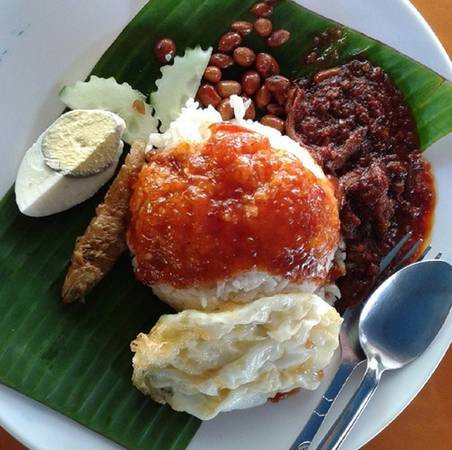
(242, 288)
(193, 126)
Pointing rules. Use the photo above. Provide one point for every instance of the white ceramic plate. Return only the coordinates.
(46, 44)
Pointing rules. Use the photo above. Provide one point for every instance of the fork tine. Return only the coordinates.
(424, 253)
(393, 252)
(411, 252)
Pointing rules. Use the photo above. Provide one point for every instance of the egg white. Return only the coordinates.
(204, 363)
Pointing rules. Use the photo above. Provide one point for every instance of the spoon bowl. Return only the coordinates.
(406, 312)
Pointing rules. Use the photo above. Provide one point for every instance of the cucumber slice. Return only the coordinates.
(178, 83)
(108, 94)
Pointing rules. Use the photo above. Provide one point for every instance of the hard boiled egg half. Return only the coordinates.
(69, 162)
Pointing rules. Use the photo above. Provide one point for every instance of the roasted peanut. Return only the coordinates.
(251, 82)
(278, 86)
(276, 110)
(212, 74)
(229, 42)
(244, 56)
(207, 95)
(225, 109)
(262, 97)
(242, 27)
(262, 9)
(164, 50)
(263, 27)
(266, 65)
(221, 60)
(250, 113)
(273, 121)
(226, 88)
(277, 38)
(277, 83)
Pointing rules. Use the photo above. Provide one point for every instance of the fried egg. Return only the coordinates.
(207, 362)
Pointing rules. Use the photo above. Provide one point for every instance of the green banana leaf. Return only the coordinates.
(428, 94)
(76, 358)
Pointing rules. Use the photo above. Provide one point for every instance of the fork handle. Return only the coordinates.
(304, 439)
(336, 435)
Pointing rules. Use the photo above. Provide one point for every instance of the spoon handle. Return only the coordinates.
(336, 435)
(304, 439)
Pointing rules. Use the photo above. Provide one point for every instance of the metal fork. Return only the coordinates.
(351, 352)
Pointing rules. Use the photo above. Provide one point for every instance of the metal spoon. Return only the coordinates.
(350, 348)
(397, 324)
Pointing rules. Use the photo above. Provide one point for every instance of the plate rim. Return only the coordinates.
(437, 43)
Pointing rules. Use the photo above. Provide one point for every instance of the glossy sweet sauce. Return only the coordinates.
(201, 213)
